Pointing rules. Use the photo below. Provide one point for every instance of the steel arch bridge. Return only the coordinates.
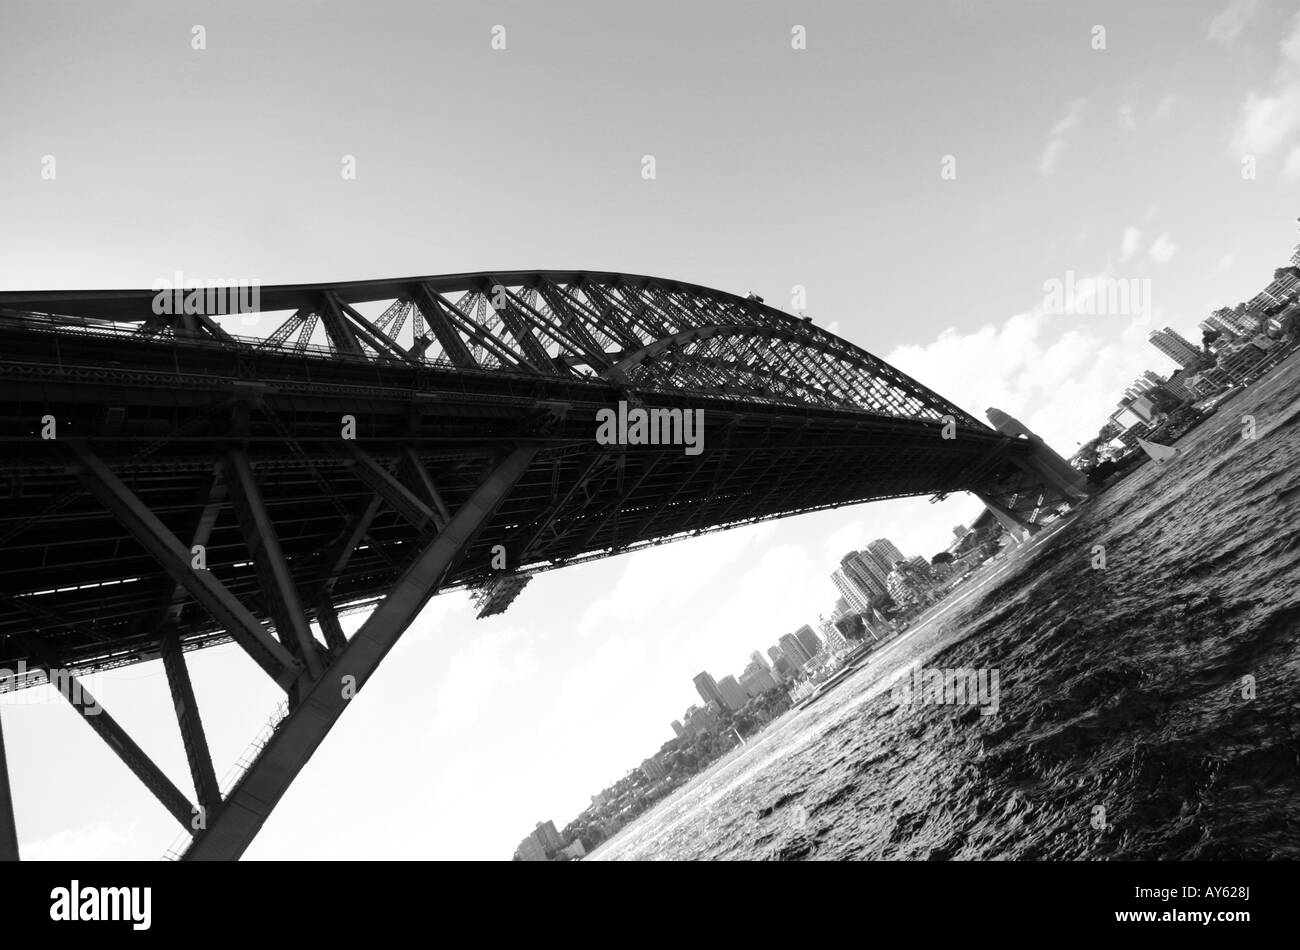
(169, 482)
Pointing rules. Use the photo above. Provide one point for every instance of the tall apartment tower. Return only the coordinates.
(795, 651)
(883, 551)
(1176, 348)
(866, 571)
(732, 693)
(708, 689)
(809, 640)
(854, 596)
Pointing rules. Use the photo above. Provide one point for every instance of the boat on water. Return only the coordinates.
(1158, 452)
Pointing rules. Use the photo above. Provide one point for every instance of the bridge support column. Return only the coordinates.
(8, 828)
(300, 734)
(1017, 527)
(191, 726)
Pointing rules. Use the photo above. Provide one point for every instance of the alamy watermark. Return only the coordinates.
(651, 427)
(211, 298)
(960, 686)
(1114, 296)
(13, 691)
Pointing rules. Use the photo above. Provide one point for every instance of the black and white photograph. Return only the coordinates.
(796, 432)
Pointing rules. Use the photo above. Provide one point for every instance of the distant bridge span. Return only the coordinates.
(135, 439)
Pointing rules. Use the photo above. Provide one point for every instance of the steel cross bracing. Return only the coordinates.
(472, 401)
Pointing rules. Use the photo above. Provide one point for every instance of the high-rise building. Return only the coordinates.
(959, 531)
(707, 688)
(866, 571)
(701, 718)
(883, 551)
(757, 680)
(857, 598)
(548, 836)
(1176, 348)
(794, 651)
(835, 641)
(758, 658)
(783, 668)
(733, 697)
(776, 654)
(653, 769)
(809, 640)
(678, 730)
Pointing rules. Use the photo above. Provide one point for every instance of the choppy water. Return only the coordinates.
(1120, 688)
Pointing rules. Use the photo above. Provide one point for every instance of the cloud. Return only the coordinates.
(1059, 379)
(1229, 22)
(1166, 107)
(676, 571)
(88, 843)
(1291, 169)
(1270, 119)
(1163, 250)
(1127, 118)
(1226, 261)
(1057, 136)
(1129, 243)
(488, 663)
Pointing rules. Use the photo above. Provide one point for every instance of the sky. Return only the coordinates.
(923, 171)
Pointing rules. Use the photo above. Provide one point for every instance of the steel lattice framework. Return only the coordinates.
(473, 401)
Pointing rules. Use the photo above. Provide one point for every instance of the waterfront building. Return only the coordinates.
(885, 553)
(707, 688)
(783, 668)
(794, 650)
(866, 571)
(809, 640)
(853, 593)
(756, 681)
(1176, 347)
(733, 697)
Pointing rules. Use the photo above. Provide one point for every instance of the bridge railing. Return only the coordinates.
(233, 774)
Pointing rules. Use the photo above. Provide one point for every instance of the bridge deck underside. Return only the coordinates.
(164, 418)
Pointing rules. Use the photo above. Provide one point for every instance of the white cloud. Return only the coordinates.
(1062, 381)
(1165, 109)
(490, 662)
(1268, 120)
(1127, 118)
(89, 843)
(1163, 250)
(675, 572)
(1227, 25)
(1057, 136)
(1291, 169)
(1226, 261)
(1129, 243)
